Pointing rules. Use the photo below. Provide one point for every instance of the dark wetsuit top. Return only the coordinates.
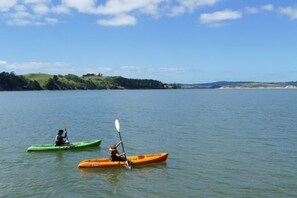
(114, 157)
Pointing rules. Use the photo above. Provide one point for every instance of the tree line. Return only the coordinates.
(12, 82)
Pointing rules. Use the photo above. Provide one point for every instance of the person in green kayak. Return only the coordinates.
(60, 139)
(116, 156)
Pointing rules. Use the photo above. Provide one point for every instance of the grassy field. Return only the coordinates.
(41, 78)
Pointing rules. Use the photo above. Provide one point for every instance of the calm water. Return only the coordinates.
(221, 143)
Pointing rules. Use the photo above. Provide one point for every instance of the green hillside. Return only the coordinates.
(41, 81)
(39, 77)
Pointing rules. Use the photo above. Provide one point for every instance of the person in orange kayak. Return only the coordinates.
(116, 156)
(59, 139)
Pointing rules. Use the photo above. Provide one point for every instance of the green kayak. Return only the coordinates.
(72, 145)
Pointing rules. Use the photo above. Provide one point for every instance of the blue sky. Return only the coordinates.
(182, 41)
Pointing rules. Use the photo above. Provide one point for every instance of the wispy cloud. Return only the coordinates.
(97, 70)
(267, 7)
(36, 66)
(252, 10)
(256, 10)
(65, 68)
(119, 20)
(152, 70)
(135, 71)
(3, 63)
(217, 18)
(28, 12)
(83, 6)
(189, 6)
(290, 11)
(40, 9)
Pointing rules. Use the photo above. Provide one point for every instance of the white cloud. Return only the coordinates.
(151, 70)
(5, 5)
(61, 9)
(51, 21)
(102, 70)
(289, 11)
(116, 7)
(133, 68)
(193, 4)
(152, 7)
(36, 1)
(3, 63)
(20, 14)
(19, 8)
(65, 68)
(256, 10)
(189, 6)
(134, 71)
(21, 17)
(24, 18)
(252, 10)
(31, 67)
(109, 12)
(84, 6)
(215, 18)
(166, 70)
(177, 10)
(19, 22)
(120, 20)
(40, 9)
(267, 7)
(120, 12)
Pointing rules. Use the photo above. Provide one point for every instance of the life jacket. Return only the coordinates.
(59, 139)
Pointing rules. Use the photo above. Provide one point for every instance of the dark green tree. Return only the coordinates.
(33, 85)
(10, 81)
(51, 84)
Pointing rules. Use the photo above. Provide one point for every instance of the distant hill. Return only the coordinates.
(239, 85)
(215, 85)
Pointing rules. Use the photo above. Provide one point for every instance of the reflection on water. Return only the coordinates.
(113, 177)
(59, 156)
(116, 179)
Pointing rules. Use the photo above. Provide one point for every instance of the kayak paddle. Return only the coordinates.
(117, 125)
(66, 134)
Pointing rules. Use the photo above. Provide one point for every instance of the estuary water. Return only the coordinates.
(221, 143)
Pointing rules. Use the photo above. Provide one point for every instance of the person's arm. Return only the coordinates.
(122, 154)
(119, 143)
(119, 154)
(65, 135)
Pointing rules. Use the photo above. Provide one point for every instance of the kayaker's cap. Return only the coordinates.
(60, 131)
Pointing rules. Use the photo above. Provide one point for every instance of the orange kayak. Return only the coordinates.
(136, 161)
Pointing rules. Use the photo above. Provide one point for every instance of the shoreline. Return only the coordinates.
(293, 87)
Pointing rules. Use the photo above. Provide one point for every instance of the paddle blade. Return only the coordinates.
(117, 125)
(128, 167)
(65, 125)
